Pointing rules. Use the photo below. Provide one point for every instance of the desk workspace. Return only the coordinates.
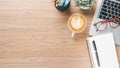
(34, 34)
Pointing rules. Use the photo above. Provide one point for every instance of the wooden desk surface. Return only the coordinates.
(33, 34)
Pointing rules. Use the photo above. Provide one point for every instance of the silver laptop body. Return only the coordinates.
(106, 9)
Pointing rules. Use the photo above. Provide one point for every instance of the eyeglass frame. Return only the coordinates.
(107, 21)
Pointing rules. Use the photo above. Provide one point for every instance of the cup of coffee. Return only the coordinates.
(77, 23)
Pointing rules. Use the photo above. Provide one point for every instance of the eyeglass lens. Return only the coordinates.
(101, 26)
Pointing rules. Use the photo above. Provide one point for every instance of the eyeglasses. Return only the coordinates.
(102, 25)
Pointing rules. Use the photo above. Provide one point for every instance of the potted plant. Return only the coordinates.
(84, 4)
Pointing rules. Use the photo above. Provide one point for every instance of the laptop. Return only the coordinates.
(106, 9)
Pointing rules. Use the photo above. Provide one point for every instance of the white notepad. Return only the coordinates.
(106, 51)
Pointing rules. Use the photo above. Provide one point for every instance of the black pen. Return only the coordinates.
(96, 53)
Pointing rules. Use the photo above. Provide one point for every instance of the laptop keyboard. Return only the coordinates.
(118, 0)
(109, 9)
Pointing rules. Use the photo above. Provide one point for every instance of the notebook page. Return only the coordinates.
(106, 51)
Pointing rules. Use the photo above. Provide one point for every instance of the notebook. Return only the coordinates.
(102, 51)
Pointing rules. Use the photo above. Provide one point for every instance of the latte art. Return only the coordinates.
(77, 23)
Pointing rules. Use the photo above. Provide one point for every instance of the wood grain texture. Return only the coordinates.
(33, 34)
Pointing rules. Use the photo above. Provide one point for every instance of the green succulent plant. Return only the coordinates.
(84, 3)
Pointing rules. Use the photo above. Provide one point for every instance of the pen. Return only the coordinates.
(96, 53)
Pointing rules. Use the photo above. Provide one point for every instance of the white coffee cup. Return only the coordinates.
(77, 23)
